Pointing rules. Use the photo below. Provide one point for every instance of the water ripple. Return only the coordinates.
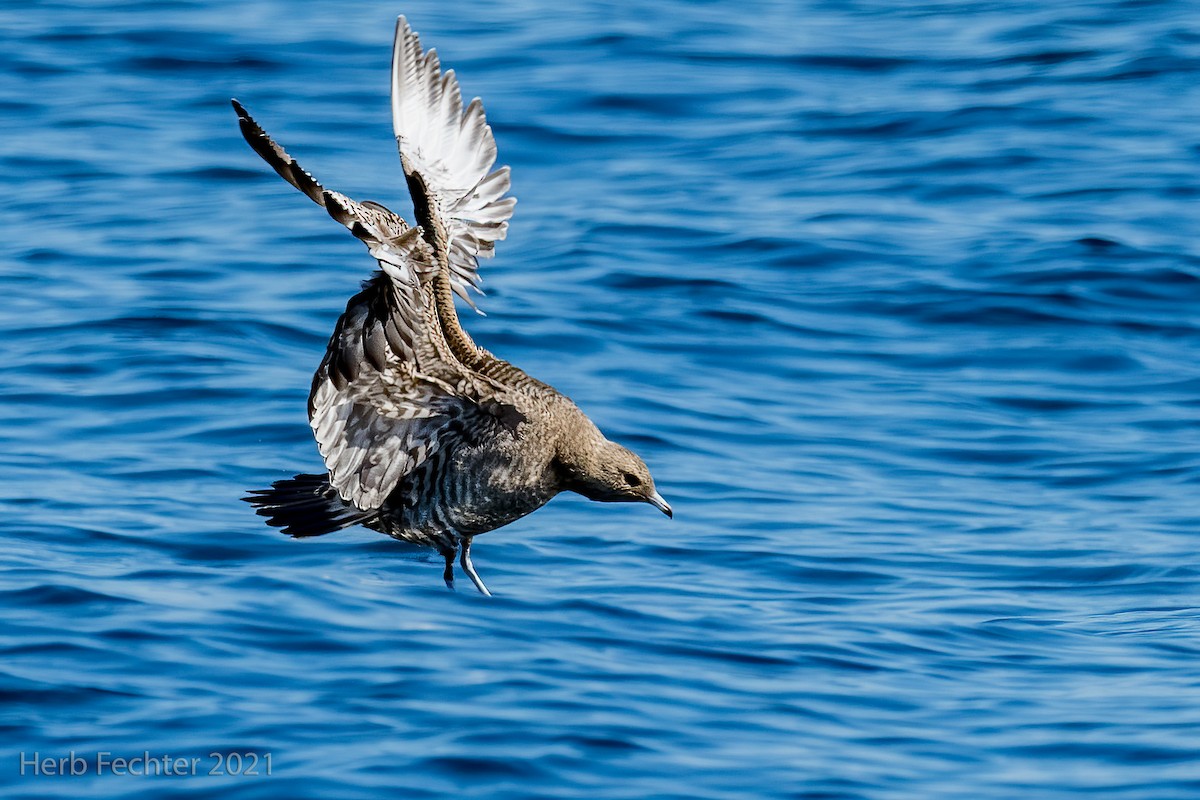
(898, 301)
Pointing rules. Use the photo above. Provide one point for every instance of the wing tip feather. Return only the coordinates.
(452, 147)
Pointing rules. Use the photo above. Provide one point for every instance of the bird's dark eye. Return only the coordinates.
(632, 480)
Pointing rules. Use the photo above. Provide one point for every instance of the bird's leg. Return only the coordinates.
(469, 568)
(448, 574)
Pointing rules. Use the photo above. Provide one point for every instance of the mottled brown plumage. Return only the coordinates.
(426, 436)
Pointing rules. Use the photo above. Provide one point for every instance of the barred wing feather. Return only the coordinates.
(381, 401)
(452, 151)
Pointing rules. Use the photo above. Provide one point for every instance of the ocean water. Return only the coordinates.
(899, 301)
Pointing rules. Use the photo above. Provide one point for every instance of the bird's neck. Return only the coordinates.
(434, 232)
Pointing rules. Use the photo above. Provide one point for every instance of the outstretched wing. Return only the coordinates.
(375, 225)
(385, 397)
(447, 156)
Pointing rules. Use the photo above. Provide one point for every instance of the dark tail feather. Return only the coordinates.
(306, 505)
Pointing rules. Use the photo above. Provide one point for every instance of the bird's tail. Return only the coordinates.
(306, 505)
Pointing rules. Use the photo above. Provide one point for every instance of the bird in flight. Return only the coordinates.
(426, 436)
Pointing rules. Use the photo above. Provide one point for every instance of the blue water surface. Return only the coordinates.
(900, 302)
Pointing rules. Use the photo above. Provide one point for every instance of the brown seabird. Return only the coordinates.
(426, 436)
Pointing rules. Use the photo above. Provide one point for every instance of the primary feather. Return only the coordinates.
(453, 151)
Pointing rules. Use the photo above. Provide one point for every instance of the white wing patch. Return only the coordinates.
(453, 151)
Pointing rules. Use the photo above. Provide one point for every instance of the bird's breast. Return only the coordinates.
(491, 489)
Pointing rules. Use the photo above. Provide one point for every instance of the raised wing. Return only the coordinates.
(375, 225)
(447, 156)
(387, 395)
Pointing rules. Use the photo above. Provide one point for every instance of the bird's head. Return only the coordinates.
(599, 469)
